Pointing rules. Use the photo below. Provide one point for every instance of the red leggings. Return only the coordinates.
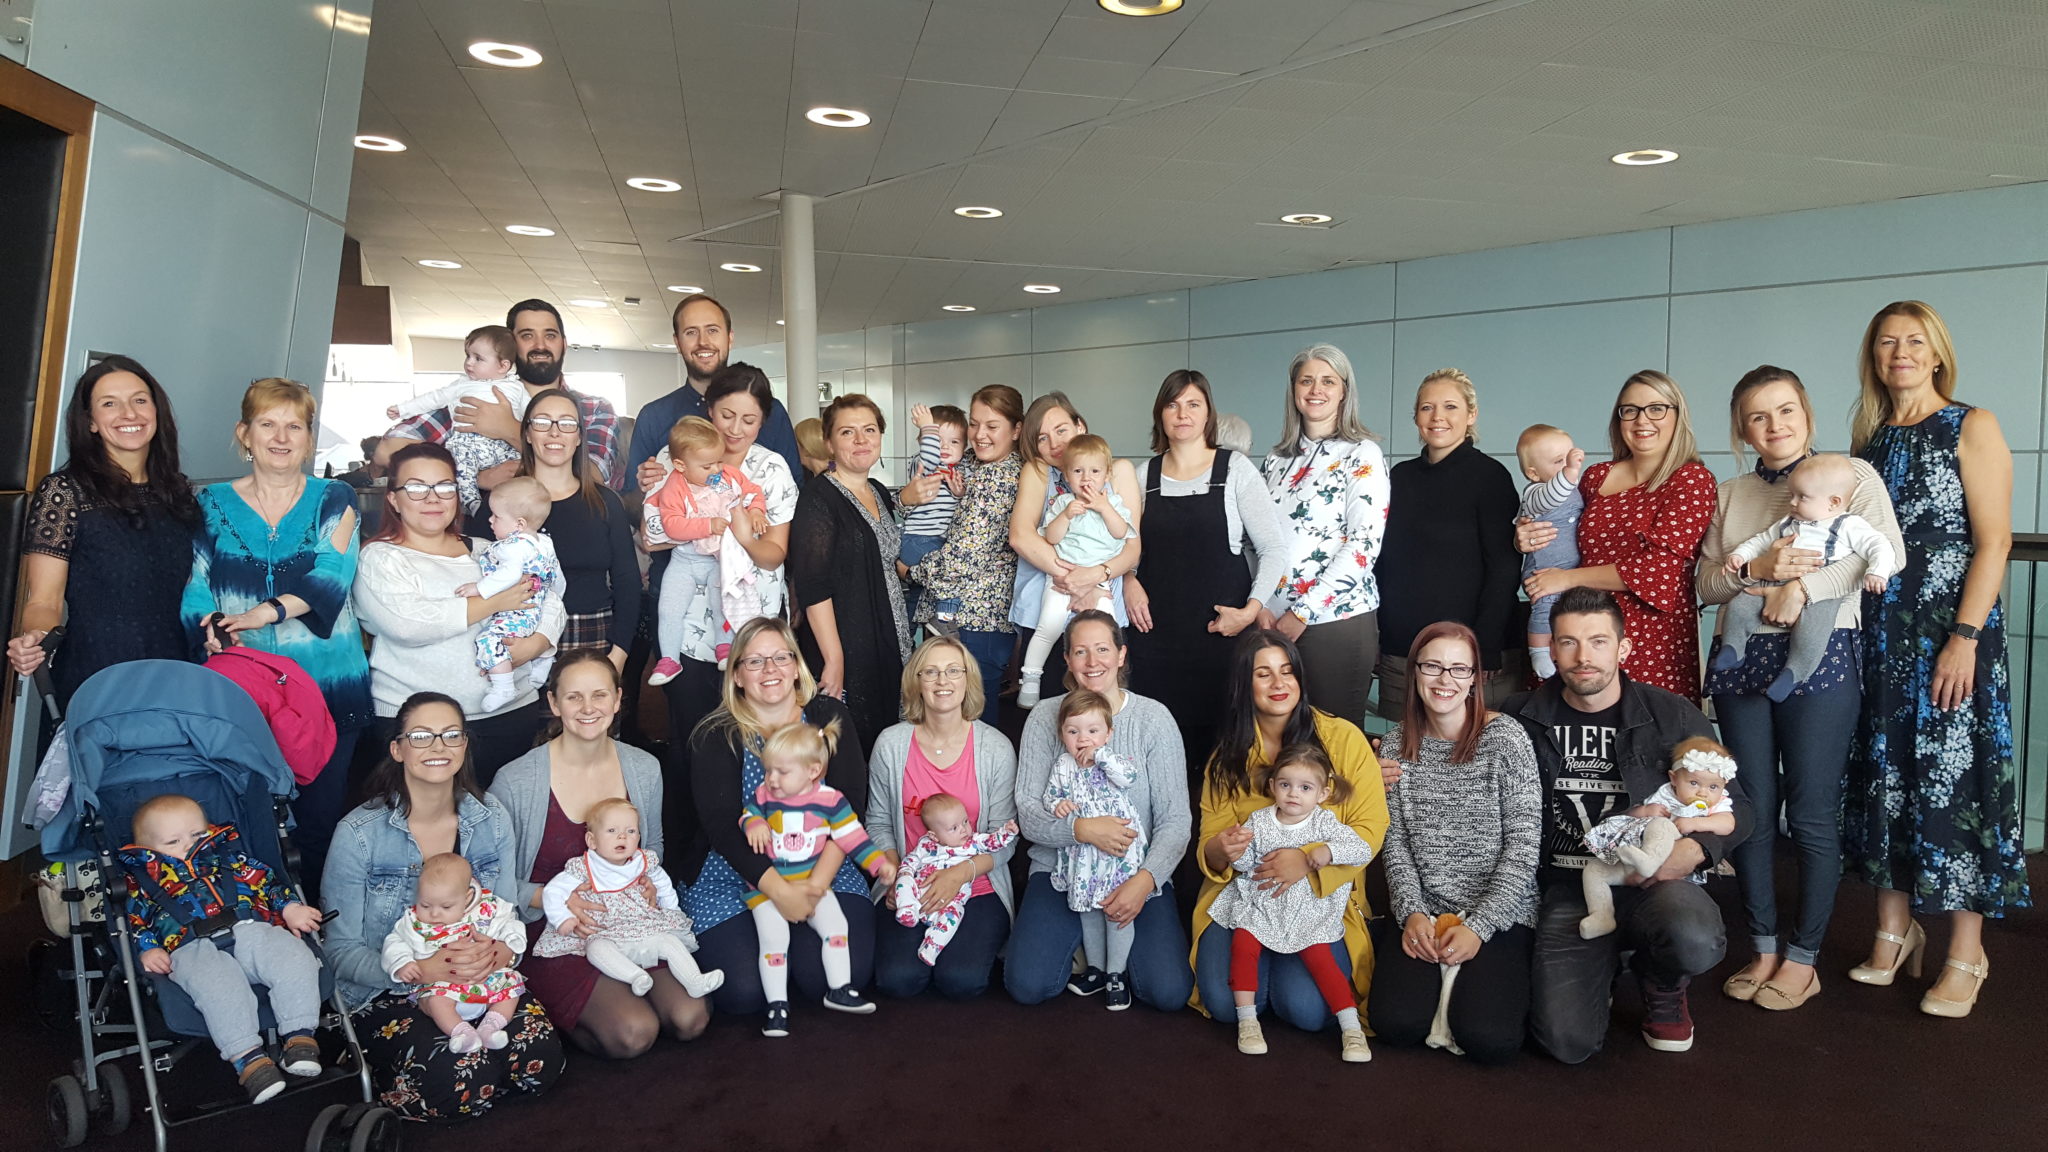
(1322, 967)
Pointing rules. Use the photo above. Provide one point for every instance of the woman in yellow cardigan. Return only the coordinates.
(1269, 710)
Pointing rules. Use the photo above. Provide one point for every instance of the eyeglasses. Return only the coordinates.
(420, 490)
(1456, 671)
(782, 659)
(421, 738)
(1656, 412)
(949, 672)
(566, 425)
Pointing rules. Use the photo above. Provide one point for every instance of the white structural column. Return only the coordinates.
(799, 306)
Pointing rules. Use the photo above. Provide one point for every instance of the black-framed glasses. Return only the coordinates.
(1456, 671)
(420, 489)
(782, 659)
(952, 672)
(566, 425)
(421, 738)
(1656, 412)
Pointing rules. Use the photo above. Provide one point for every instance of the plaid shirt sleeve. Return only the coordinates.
(432, 427)
(601, 438)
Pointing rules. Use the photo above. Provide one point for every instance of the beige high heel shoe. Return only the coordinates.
(1912, 946)
(1957, 1009)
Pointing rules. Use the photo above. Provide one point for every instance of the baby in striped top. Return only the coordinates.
(793, 817)
(941, 444)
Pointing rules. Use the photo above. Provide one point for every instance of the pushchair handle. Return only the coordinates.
(46, 685)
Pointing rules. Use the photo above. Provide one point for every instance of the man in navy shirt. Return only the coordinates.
(703, 331)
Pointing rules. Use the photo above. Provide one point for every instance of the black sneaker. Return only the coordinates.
(1087, 982)
(777, 1023)
(261, 1078)
(847, 1000)
(1667, 1024)
(1119, 997)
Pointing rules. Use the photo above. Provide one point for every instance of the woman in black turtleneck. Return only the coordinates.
(1450, 545)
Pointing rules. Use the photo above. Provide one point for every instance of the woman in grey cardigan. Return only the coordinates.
(1464, 839)
(546, 792)
(912, 762)
(1047, 933)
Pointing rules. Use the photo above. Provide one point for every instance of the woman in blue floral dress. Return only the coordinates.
(1931, 812)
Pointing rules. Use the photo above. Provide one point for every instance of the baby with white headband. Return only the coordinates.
(1694, 799)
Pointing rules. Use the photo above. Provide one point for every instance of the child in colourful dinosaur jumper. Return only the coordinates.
(791, 818)
(205, 915)
(450, 905)
(949, 839)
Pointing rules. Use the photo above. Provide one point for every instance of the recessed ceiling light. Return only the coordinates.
(590, 304)
(978, 213)
(685, 289)
(439, 264)
(1130, 8)
(379, 144)
(663, 347)
(837, 117)
(956, 307)
(780, 321)
(653, 184)
(1644, 157)
(740, 267)
(504, 55)
(529, 230)
(1305, 218)
(1042, 289)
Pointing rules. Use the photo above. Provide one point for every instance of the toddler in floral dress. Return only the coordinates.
(451, 906)
(949, 839)
(643, 923)
(519, 507)
(790, 819)
(1297, 921)
(1090, 780)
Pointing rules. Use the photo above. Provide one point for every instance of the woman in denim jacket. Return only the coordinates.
(425, 801)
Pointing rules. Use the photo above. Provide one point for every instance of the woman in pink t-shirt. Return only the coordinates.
(942, 746)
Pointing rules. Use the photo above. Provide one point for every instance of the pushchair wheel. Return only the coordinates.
(326, 1133)
(375, 1131)
(113, 1108)
(65, 1106)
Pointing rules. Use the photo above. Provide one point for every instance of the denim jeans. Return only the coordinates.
(1047, 933)
(1286, 989)
(1797, 753)
(991, 651)
(962, 972)
(913, 550)
(1674, 929)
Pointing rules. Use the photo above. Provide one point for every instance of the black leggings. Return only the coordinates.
(733, 946)
(1489, 1003)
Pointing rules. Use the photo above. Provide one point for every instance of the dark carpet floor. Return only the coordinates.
(1857, 1068)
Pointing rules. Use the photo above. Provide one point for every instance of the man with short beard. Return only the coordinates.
(703, 332)
(537, 329)
(1603, 746)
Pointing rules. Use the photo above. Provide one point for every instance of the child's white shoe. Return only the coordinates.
(492, 1029)
(1027, 691)
(642, 984)
(1251, 1039)
(703, 984)
(1356, 1050)
(503, 689)
(464, 1039)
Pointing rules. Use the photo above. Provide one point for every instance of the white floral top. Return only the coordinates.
(1333, 494)
(778, 499)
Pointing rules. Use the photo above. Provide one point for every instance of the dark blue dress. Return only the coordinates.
(1931, 807)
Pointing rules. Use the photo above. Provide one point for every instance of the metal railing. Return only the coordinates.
(2026, 649)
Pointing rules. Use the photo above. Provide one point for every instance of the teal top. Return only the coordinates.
(238, 562)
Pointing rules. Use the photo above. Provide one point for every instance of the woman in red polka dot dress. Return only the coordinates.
(1639, 537)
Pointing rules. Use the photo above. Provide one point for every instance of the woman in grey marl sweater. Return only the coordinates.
(1463, 839)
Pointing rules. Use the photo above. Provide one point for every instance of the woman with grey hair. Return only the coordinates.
(1330, 480)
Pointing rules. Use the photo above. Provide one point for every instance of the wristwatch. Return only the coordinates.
(277, 606)
(1966, 631)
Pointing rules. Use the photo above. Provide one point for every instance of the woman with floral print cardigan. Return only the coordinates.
(975, 565)
(1330, 480)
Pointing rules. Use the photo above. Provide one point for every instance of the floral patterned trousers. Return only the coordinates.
(420, 1079)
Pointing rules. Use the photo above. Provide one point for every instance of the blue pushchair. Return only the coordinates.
(137, 731)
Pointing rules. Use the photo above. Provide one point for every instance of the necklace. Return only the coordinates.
(938, 750)
(263, 505)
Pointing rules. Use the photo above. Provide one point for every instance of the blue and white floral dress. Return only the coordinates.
(1931, 807)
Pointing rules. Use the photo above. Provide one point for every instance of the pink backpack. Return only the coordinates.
(289, 700)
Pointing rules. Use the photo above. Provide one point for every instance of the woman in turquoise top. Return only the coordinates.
(277, 557)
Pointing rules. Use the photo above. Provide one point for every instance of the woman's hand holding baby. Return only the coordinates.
(1112, 834)
(583, 908)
